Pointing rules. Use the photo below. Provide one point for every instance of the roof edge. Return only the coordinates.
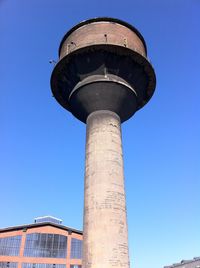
(29, 226)
(181, 263)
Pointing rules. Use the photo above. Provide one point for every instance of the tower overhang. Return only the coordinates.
(103, 65)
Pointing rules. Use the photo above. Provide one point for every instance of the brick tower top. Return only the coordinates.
(103, 65)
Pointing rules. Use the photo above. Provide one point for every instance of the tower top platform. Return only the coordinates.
(103, 65)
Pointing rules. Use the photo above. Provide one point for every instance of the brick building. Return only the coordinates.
(194, 263)
(45, 244)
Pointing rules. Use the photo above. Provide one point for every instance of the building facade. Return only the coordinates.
(194, 263)
(44, 244)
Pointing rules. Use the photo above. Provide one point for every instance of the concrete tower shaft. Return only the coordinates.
(105, 236)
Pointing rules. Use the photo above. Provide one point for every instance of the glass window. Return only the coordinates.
(75, 266)
(8, 264)
(76, 249)
(45, 245)
(42, 265)
(10, 246)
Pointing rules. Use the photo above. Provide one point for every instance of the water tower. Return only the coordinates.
(103, 77)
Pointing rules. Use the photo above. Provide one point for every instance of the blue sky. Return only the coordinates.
(42, 145)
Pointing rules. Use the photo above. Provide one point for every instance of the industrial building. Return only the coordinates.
(44, 244)
(194, 263)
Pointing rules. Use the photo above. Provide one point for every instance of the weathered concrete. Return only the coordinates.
(105, 235)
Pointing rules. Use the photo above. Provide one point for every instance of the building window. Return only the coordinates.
(76, 249)
(75, 266)
(45, 245)
(10, 246)
(42, 265)
(8, 264)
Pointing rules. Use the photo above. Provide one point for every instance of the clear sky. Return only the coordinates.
(42, 145)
